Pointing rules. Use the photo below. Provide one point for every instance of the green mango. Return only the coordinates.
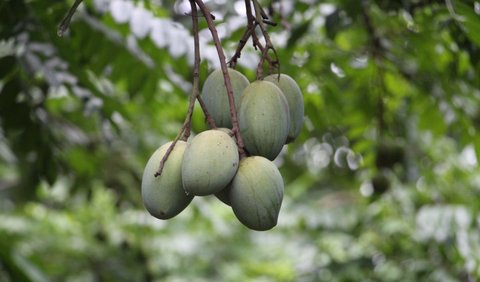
(256, 193)
(214, 95)
(264, 119)
(294, 96)
(210, 162)
(163, 196)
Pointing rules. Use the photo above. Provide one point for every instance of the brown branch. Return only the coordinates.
(249, 32)
(238, 52)
(226, 77)
(273, 63)
(185, 131)
(250, 19)
(167, 153)
(65, 23)
(269, 22)
(252, 23)
(208, 117)
(196, 69)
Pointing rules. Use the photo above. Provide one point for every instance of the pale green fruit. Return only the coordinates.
(226, 130)
(294, 96)
(264, 119)
(215, 97)
(210, 162)
(163, 196)
(256, 193)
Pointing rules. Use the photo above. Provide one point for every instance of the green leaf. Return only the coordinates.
(297, 33)
(469, 20)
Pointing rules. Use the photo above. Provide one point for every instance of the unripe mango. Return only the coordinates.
(215, 97)
(210, 162)
(294, 96)
(264, 119)
(256, 193)
(163, 196)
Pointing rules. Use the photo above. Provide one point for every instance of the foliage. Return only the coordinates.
(80, 115)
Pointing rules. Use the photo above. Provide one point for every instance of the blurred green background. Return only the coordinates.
(382, 185)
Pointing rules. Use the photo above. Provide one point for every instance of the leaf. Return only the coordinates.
(351, 39)
(297, 33)
(469, 20)
(28, 269)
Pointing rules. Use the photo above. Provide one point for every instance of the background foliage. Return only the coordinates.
(382, 185)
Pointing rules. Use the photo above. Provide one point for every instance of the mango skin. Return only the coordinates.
(215, 97)
(294, 96)
(209, 163)
(163, 196)
(264, 119)
(256, 193)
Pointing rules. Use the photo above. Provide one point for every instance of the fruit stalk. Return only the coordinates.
(65, 23)
(196, 74)
(208, 117)
(246, 35)
(185, 131)
(228, 84)
(268, 43)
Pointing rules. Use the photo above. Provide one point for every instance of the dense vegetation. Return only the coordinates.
(381, 185)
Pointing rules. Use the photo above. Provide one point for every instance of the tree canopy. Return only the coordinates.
(381, 185)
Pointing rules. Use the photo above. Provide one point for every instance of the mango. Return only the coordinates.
(294, 96)
(215, 97)
(264, 119)
(210, 163)
(256, 193)
(163, 196)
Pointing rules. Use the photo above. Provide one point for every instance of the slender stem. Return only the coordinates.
(246, 35)
(226, 77)
(196, 69)
(196, 66)
(248, 9)
(252, 22)
(65, 23)
(208, 117)
(259, 18)
(168, 152)
(185, 131)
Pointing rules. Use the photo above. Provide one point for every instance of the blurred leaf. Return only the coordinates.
(469, 20)
(297, 33)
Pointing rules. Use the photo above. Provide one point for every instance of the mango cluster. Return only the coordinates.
(270, 114)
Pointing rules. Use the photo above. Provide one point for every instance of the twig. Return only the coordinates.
(249, 32)
(65, 23)
(196, 69)
(238, 52)
(168, 152)
(208, 117)
(273, 63)
(190, 14)
(269, 22)
(226, 77)
(185, 131)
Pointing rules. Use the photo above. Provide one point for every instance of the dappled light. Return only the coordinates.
(362, 164)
